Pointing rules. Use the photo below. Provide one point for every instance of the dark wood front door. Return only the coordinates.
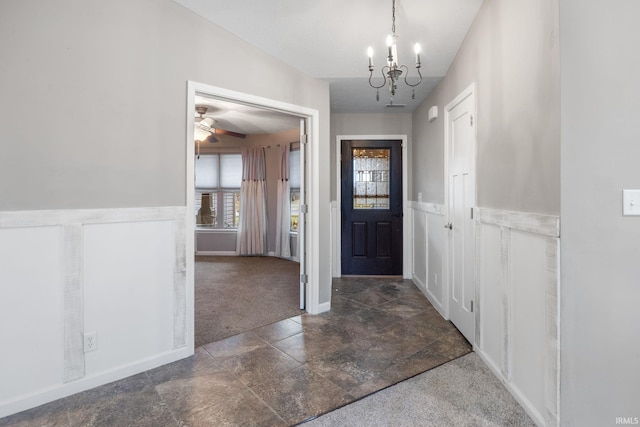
(371, 207)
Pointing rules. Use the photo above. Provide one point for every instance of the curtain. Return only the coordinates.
(283, 213)
(252, 228)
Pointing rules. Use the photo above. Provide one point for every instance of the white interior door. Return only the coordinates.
(461, 200)
(302, 216)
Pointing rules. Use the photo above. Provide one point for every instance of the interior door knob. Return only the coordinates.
(449, 226)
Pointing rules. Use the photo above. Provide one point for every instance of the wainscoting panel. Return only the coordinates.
(517, 284)
(118, 272)
(527, 287)
(427, 222)
(31, 310)
(492, 298)
(517, 306)
(131, 306)
(420, 257)
(435, 286)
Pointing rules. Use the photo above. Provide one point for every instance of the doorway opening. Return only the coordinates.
(307, 233)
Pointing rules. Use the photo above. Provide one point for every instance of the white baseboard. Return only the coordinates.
(439, 308)
(515, 392)
(432, 299)
(324, 307)
(60, 391)
(419, 283)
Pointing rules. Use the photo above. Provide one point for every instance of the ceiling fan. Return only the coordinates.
(207, 124)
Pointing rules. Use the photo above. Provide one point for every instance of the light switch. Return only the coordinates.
(630, 202)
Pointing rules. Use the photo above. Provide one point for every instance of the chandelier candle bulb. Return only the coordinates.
(370, 55)
(416, 49)
(393, 50)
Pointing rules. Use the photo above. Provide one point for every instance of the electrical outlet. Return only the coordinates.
(90, 341)
(630, 202)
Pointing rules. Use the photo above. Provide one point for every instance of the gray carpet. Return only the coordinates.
(237, 294)
(463, 392)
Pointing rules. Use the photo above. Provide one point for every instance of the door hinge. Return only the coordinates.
(304, 139)
(304, 209)
(304, 278)
(471, 305)
(471, 212)
(471, 120)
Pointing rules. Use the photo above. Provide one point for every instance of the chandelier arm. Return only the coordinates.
(383, 77)
(407, 75)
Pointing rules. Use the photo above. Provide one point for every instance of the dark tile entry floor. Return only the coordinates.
(380, 331)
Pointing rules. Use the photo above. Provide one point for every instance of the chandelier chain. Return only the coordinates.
(393, 17)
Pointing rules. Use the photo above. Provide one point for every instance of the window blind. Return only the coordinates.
(207, 172)
(230, 170)
(294, 169)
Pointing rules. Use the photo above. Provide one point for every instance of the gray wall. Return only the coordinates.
(514, 52)
(511, 53)
(216, 241)
(86, 84)
(599, 247)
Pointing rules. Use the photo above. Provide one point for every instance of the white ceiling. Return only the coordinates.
(327, 39)
(244, 118)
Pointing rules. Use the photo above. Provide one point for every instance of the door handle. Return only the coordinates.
(449, 226)
(398, 215)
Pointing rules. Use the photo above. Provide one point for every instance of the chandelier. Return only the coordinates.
(392, 72)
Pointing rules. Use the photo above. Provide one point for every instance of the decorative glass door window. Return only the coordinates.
(371, 178)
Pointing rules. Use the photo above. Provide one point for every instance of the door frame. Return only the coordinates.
(446, 261)
(310, 169)
(336, 217)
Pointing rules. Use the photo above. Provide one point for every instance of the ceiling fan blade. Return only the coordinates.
(206, 122)
(230, 133)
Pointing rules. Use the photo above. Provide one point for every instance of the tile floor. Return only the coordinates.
(379, 332)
